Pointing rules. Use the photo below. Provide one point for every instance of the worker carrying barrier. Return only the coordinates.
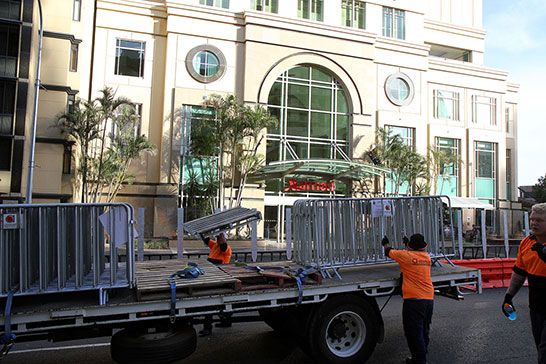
(336, 233)
(46, 248)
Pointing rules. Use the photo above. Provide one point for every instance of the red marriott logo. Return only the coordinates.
(295, 185)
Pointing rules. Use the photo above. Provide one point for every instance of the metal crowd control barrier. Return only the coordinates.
(46, 248)
(214, 224)
(336, 233)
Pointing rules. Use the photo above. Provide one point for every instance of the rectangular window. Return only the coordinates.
(269, 6)
(130, 58)
(5, 151)
(138, 127)
(406, 134)
(311, 9)
(448, 179)
(70, 101)
(77, 10)
(446, 105)
(216, 3)
(67, 159)
(485, 165)
(484, 110)
(394, 23)
(10, 9)
(7, 106)
(9, 49)
(510, 116)
(407, 137)
(353, 14)
(73, 57)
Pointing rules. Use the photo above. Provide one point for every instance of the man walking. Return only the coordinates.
(531, 264)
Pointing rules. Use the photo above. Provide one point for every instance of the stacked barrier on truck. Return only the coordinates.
(47, 248)
(336, 233)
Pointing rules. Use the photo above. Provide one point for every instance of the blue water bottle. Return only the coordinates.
(509, 310)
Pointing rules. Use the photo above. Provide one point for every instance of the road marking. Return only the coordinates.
(58, 348)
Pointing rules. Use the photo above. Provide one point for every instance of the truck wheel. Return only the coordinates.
(134, 346)
(343, 330)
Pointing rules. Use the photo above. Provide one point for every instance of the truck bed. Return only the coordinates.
(220, 289)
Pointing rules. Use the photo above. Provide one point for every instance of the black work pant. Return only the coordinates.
(416, 317)
(538, 325)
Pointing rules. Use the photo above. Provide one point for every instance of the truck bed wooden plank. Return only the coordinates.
(154, 277)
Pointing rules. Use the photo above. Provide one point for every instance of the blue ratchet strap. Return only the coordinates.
(8, 339)
(300, 275)
(191, 270)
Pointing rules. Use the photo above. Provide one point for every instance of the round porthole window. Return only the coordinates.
(399, 89)
(205, 63)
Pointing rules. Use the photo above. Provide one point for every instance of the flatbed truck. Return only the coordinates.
(55, 284)
(338, 321)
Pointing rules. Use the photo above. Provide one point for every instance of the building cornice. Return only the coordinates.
(155, 8)
(455, 29)
(308, 26)
(466, 68)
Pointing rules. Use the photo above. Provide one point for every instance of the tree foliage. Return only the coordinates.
(104, 158)
(237, 134)
(539, 189)
(406, 165)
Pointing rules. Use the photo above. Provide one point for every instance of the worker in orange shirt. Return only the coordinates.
(418, 294)
(531, 265)
(220, 253)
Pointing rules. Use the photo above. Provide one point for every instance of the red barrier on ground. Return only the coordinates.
(495, 272)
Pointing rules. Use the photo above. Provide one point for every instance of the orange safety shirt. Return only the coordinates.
(217, 254)
(415, 266)
(529, 265)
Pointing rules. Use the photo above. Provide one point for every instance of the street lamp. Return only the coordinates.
(35, 114)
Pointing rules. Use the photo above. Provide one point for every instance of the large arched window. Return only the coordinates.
(313, 114)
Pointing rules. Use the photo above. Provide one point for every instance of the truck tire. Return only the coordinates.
(344, 329)
(137, 346)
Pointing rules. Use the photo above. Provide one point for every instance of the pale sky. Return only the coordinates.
(516, 42)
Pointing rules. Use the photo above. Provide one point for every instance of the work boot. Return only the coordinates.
(205, 332)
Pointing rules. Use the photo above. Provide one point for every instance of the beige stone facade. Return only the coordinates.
(434, 52)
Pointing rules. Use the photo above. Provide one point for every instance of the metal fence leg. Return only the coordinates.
(484, 236)
(505, 228)
(180, 234)
(460, 232)
(140, 243)
(254, 228)
(288, 233)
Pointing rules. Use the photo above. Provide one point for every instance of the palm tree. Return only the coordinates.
(108, 105)
(83, 126)
(104, 160)
(239, 133)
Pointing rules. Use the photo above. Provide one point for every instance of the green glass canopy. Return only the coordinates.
(345, 171)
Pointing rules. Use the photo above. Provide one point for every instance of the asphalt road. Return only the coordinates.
(472, 331)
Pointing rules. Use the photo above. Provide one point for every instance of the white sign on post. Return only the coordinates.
(10, 221)
(119, 233)
(381, 208)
